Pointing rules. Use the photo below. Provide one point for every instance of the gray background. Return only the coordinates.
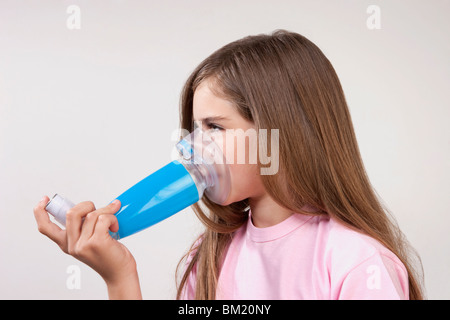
(87, 113)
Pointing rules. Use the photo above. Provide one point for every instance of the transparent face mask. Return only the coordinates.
(202, 156)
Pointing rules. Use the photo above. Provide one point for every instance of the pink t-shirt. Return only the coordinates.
(307, 257)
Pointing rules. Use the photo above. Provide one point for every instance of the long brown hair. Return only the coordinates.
(284, 81)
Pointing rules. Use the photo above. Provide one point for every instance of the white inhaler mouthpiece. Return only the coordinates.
(58, 207)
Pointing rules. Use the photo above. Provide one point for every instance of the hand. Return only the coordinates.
(89, 241)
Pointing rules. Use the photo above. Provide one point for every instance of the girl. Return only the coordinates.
(314, 229)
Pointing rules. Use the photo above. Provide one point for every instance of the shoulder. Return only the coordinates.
(346, 244)
(356, 259)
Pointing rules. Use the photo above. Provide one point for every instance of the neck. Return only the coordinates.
(266, 212)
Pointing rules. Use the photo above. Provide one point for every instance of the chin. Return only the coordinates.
(232, 198)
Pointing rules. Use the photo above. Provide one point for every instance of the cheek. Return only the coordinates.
(245, 182)
(236, 147)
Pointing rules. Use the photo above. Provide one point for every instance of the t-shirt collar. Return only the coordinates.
(294, 221)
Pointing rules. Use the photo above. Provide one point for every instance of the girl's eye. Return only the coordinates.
(214, 127)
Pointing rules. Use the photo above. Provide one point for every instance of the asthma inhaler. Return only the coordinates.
(200, 169)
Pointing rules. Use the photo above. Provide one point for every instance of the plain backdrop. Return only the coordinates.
(88, 112)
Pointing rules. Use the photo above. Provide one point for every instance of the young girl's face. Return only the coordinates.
(220, 118)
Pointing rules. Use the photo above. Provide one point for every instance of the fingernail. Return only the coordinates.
(43, 198)
(115, 202)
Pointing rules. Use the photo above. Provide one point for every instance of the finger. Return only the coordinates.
(106, 222)
(46, 226)
(91, 219)
(74, 221)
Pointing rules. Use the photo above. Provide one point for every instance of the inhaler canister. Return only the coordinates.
(58, 207)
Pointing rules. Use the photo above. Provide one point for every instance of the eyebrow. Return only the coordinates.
(212, 119)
